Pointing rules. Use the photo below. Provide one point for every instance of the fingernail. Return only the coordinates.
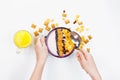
(77, 55)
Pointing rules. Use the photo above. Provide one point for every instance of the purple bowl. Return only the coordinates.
(47, 43)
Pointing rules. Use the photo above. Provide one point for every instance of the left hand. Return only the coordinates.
(41, 50)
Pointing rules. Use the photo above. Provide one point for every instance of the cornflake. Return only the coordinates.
(81, 45)
(87, 29)
(46, 22)
(47, 28)
(40, 30)
(88, 50)
(52, 20)
(56, 24)
(33, 26)
(78, 29)
(36, 33)
(89, 37)
(53, 26)
(86, 41)
(83, 38)
(67, 21)
(64, 15)
(77, 16)
(80, 22)
(63, 18)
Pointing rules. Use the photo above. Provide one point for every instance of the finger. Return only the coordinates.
(80, 60)
(84, 54)
(80, 56)
(44, 44)
(39, 42)
(43, 41)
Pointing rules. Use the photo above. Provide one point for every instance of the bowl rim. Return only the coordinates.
(46, 40)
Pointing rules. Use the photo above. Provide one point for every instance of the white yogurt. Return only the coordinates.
(51, 43)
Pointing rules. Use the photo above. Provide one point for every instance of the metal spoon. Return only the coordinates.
(75, 38)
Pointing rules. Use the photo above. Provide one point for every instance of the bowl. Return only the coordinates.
(60, 43)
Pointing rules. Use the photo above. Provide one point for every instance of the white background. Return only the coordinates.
(102, 17)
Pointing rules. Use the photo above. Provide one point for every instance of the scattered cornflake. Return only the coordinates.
(77, 16)
(40, 30)
(88, 50)
(89, 37)
(47, 28)
(81, 45)
(56, 24)
(53, 26)
(46, 22)
(87, 29)
(63, 18)
(36, 33)
(67, 21)
(76, 19)
(80, 22)
(64, 15)
(79, 29)
(86, 41)
(82, 27)
(52, 20)
(33, 26)
(83, 38)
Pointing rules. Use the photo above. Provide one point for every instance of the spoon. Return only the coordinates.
(75, 38)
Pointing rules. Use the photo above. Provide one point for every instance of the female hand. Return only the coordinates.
(87, 63)
(41, 49)
(41, 57)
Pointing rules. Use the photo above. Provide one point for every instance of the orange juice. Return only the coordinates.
(22, 39)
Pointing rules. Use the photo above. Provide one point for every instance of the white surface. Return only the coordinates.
(101, 16)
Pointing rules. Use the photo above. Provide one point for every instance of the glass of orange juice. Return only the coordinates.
(22, 39)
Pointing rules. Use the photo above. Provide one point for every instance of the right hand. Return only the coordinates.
(87, 63)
